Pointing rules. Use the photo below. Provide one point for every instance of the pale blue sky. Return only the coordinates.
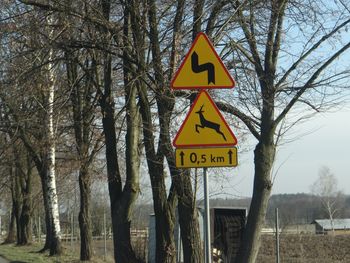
(299, 161)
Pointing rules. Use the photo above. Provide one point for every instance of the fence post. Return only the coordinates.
(105, 234)
(71, 230)
(39, 230)
(277, 239)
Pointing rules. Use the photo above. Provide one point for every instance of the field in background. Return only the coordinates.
(293, 249)
(306, 249)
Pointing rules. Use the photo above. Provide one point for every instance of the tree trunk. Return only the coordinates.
(11, 235)
(42, 172)
(50, 185)
(26, 213)
(123, 250)
(50, 180)
(164, 210)
(42, 168)
(164, 207)
(132, 154)
(188, 219)
(82, 116)
(121, 200)
(17, 201)
(197, 17)
(84, 215)
(24, 221)
(263, 160)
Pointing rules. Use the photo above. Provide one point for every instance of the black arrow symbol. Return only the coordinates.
(182, 154)
(196, 68)
(230, 156)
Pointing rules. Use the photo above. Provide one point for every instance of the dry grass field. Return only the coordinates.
(306, 249)
(293, 249)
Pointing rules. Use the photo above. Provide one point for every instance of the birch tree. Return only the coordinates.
(32, 112)
(50, 180)
(326, 189)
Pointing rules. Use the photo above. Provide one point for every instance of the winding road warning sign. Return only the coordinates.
(204, 126)
(202, 68)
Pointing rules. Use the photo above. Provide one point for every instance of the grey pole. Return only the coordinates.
(207, 218)
(71, 230)
(105, 233)
(39, 229)
(277, 239)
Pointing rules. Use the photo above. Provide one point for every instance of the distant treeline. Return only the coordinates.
(298, 208)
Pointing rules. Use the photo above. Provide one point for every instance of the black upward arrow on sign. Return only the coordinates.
(230, 152)
(182, 154)
(197, 68)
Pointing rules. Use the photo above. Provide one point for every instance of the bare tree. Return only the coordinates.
(326, 188)
(281, 82)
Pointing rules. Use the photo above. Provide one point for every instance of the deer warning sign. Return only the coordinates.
(202, 68)
(204, 126)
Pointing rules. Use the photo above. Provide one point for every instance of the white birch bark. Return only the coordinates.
(51, 177)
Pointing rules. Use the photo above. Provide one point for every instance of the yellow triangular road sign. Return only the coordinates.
(204, 126)
(202, 68)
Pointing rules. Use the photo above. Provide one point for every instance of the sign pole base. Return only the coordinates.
(207, 218)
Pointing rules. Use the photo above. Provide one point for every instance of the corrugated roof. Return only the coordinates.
(337, 223)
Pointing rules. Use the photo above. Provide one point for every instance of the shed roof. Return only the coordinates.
(338, 224)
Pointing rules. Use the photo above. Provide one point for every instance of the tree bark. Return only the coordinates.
(24, 169)
(50, 180)
(26, 214)
(121, 200)
(17, 203)
(11, 235)
(197, 17)
(263, 161)
(85, 215)
(42, 172)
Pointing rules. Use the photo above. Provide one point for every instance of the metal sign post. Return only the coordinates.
(207, 218)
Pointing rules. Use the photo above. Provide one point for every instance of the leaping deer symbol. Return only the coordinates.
(208, 124)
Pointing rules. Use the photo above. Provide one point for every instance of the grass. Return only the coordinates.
(29, 254)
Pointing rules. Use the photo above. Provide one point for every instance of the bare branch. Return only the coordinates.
(248, 121)
(310, 82)
(307, 53)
